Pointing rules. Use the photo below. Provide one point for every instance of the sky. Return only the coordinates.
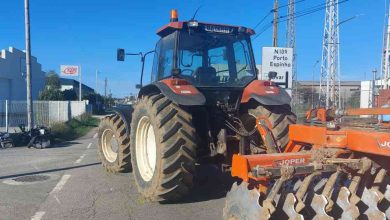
(88, 32)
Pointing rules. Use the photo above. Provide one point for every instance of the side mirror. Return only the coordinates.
(272, 75)
(138, 86)
(120, 54)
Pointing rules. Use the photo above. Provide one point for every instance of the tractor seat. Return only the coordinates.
(207, 75)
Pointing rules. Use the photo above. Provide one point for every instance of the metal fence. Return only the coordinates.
(14, 113)
(306, 98)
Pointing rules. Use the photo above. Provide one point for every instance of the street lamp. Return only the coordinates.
(348, 19)
(338, 55)
(333, 46)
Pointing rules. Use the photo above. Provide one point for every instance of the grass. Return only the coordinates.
(73, 129)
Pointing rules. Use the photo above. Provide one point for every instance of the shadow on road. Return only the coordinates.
(64, 144)
(47, 171)
(209, 184)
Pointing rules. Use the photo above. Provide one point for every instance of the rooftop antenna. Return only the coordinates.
(196, 12)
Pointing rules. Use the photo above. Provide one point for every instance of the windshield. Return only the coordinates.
(215, 59)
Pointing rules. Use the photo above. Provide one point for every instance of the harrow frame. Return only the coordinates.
(322, 145)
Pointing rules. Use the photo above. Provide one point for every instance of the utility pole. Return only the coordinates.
(330, 66)
(80, 86)
(386, 52)
(291, 44)
(30, 120)
(372, 104)
(96, 86)
(374, 72)
(275, 24)
(105, 91)
(105, 87)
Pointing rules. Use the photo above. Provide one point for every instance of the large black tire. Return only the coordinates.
(175, 149)
(112, 130)
(280, 116)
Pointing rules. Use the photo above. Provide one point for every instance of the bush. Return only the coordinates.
(85, 118)
(63, 132)
(75, 128)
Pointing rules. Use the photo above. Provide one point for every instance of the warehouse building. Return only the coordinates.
(13, 75)
(347, 88)
(71, 84)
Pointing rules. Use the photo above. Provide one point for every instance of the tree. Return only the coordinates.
(51, 95)
(53, 81)
(52, 90)
(109, 100)
(91, 97)
(354, 100)
(306, 95)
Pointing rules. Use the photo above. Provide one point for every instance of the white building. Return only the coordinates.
(368, 94)
(13, 75)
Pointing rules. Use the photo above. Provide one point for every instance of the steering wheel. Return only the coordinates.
(187, 77)
(188, 70)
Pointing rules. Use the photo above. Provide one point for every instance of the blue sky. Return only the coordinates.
(87, 32)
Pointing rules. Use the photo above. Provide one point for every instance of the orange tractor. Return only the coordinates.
(332, 168)
(200, 107)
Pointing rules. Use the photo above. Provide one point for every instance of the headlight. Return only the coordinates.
(42, 131)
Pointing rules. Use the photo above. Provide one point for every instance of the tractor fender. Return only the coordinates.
(178, 91)
(125, 112)
(266, 93)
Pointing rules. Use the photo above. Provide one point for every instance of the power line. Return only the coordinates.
(289, 4)
(261, 21)
(299, 14)
(271, 11)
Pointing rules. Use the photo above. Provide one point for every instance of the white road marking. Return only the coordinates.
(58, 200)
(60, 184)
(95, 135)
(89, 145)
(80, 159)
(38, 216)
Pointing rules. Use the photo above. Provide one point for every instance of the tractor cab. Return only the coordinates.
(205, 55)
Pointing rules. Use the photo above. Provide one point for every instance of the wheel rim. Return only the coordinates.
(146, 149)
(109, 145)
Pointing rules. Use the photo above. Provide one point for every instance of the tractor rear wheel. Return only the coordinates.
(163, 149)
(114, 145)
(280, 117)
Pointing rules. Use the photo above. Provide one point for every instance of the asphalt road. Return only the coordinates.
(68, 182)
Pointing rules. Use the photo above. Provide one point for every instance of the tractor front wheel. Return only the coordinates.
(114, 145)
